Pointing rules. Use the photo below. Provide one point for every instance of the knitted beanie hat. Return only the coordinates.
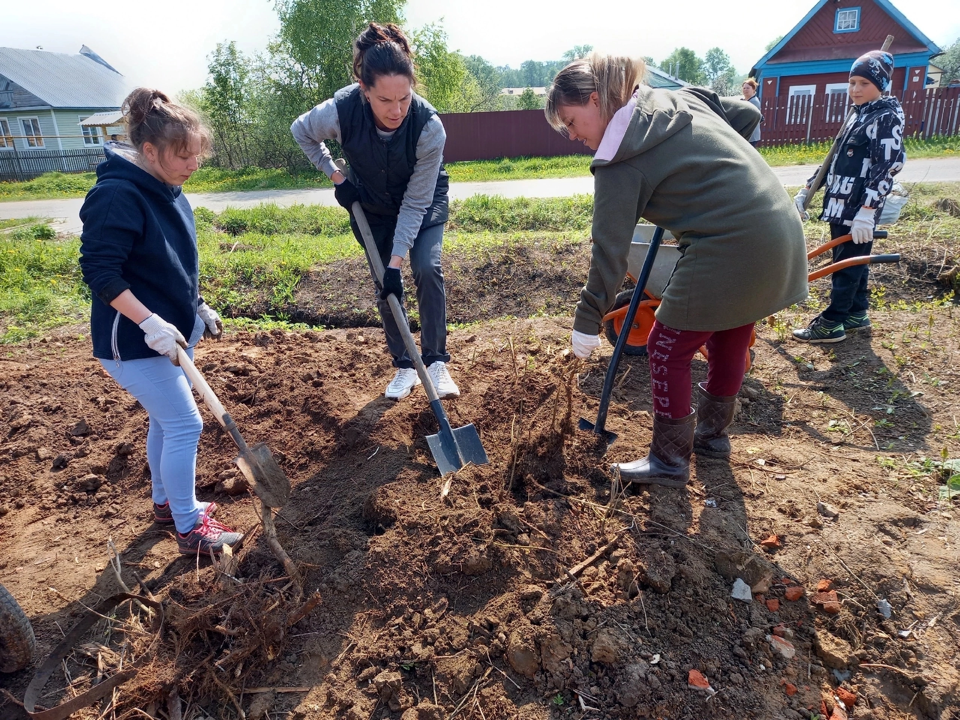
(876, 66)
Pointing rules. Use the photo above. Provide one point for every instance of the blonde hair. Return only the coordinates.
(612, 77)
(151, 117)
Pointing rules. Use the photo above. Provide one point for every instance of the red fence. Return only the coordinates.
(514, 133)
(808, 118)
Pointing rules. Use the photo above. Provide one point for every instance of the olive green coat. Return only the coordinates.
(675, 161)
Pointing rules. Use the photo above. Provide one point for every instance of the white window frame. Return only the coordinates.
(847, 27)
(91, 134)
(834, 109)
(6, 137)
(793, 111)
(29, 136)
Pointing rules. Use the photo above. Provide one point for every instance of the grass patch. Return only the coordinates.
(252, 261)
(40, 283)
(211, 179)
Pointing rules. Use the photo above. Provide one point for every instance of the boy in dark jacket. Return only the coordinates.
(869, 154)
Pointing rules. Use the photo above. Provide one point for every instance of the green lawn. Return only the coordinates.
(211, 179)
(256, 258)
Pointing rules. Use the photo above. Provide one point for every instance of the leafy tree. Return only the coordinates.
(773, 43)
(225, 100)
(442, 73)
(488, 83)
(719, 72)
(528, 100)
(577, 52)
(949, 62)
(684, 64)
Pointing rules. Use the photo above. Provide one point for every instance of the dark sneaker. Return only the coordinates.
(163, 516)
(821, 331)
(207, 538)
(856, 322)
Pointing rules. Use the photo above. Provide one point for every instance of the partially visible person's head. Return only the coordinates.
(383, 65)
(170, 139)
(749, 88)
(870, 76)
(587, 93)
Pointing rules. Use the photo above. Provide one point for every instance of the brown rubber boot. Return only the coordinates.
(669, 460)
(714, 416)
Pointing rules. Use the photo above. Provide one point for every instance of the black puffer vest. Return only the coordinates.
(381, 169)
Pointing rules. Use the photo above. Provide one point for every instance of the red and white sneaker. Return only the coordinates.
(207, 538)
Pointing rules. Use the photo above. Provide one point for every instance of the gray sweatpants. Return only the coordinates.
(431, 296)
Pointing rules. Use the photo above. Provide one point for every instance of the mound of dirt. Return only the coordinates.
(532, 587)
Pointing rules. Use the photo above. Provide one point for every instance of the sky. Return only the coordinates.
(166, 44)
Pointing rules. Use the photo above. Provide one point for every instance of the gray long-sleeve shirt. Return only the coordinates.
(323, 123)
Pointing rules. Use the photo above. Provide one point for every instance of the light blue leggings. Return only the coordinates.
(175, 425)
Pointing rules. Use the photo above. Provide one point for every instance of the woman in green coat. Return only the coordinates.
(680, 159)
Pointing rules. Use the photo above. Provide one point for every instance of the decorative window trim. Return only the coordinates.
(856, 24)
(29, 136)
(835, 108)
(6, 137)
(91, 134)
(796, 112)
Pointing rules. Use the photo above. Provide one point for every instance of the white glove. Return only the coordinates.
(162, 337)
(584, 344)
(211, 320)
(861, 230)
(799, 199)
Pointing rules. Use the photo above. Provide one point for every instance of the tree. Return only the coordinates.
(577, 52)
(719, 72)
(528, 100)
(441, 73)
(949, 62)
(225, 100)
(684, 64)
(773, 43)
(488, 82)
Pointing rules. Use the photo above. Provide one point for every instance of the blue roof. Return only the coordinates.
(65, 81)
(884, 4)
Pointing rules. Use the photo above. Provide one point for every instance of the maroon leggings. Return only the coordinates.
(671, 352)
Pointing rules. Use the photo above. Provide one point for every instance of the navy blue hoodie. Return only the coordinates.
(138, 234)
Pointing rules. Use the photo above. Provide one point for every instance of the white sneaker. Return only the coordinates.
(442, 381)
(403, 382)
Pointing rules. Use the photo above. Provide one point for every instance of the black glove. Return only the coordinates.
(392, 284)
(346, 194)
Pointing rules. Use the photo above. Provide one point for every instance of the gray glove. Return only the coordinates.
(162, 337)
(800, 200)
(212, 320)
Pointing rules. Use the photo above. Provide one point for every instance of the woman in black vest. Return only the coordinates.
(393, 140)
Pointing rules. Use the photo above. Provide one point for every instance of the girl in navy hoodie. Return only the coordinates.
(138, 254)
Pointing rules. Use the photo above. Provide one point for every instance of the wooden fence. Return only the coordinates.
(504, 134)
(808, 118)
(28, 164)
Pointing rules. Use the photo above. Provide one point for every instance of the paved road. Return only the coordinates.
(66, 212)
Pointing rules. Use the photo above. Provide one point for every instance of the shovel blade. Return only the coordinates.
(588, 426)
(452, 453)
(266, 477)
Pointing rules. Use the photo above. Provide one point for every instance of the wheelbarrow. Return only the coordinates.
(664, 264)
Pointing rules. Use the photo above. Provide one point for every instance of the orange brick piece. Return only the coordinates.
(828, 601)
(696, 679)
(794, 593)
(847, 698)
(790, 689)
(771, 543)
(773, 605)
(824, 585)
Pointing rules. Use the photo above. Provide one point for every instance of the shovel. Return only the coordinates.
(452, 448)
(599, 427)
(256, 463)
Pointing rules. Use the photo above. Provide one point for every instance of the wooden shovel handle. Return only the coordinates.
(210, 399)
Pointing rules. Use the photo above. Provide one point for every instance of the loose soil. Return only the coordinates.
(531, 587)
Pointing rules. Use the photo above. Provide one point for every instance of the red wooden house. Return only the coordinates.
(803, 79)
